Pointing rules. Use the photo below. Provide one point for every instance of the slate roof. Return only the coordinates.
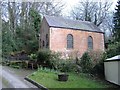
(61, 22)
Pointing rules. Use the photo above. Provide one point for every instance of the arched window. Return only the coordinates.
(90, 42)
(69, 41)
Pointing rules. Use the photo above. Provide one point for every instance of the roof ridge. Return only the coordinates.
(62, 22)
(67, 18)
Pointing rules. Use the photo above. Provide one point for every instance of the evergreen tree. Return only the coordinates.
(116, 21)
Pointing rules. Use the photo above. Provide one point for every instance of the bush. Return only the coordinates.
(48, 57)
(93, 62)
(113, 49)
(86, 63)
(96, 56)
(98, 69)
(43, 56)
(67, 66)
(15, 64)
(54, 61)
(33, 57)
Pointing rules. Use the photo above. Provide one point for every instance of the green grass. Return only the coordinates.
(50, 80)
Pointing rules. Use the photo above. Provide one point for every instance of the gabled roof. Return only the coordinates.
(61, 22)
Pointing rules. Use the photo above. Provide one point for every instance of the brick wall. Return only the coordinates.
(58, 40)
(43, 31)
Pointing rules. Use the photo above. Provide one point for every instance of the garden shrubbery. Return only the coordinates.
(98, 69)
(93, 62)
(54, 60)
(67, 66)
(90, 62)
(113, 49)
(95, 56)
(47, 57)
(86, 63)
(43, 56)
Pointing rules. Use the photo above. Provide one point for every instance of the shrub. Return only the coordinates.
(113, 49)
(32, 56)
(96, 56)
(54, 61)
(48, 57)
(43, 56)
(67, 66)
(73, 54)
(93, 62)
(86, 63)
(98, 69)
(15, 64)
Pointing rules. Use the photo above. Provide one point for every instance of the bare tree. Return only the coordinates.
(52, 7)
(95, 12)
(12, 18)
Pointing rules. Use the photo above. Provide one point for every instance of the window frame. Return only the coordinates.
(90, 42)
(70, 41)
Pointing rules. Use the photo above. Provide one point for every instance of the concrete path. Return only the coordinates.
(14, 78)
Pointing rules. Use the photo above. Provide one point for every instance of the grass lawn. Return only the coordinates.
(50, 80)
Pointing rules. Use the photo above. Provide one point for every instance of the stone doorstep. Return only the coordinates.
(36, 84)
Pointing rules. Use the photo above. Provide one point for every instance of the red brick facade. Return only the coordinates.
(58, 39)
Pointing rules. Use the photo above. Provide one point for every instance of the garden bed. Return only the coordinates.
(49, 79)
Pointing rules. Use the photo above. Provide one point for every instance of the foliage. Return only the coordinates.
(21, 37)
(15, 64)
(98, 69)
(32, 56)
(7, 40)
(86, 63)
(48, 57)
(36, 18)
(54, 61)
(67, 66)
(113, 49)
(41, 69)
(73, 54)
(44, 56)
(21, 24)
(116, 21)
(93, 62)
(96, 56)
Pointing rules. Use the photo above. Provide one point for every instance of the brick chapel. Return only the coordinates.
(66, 36)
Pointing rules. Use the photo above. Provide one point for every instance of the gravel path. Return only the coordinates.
(14, 78)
